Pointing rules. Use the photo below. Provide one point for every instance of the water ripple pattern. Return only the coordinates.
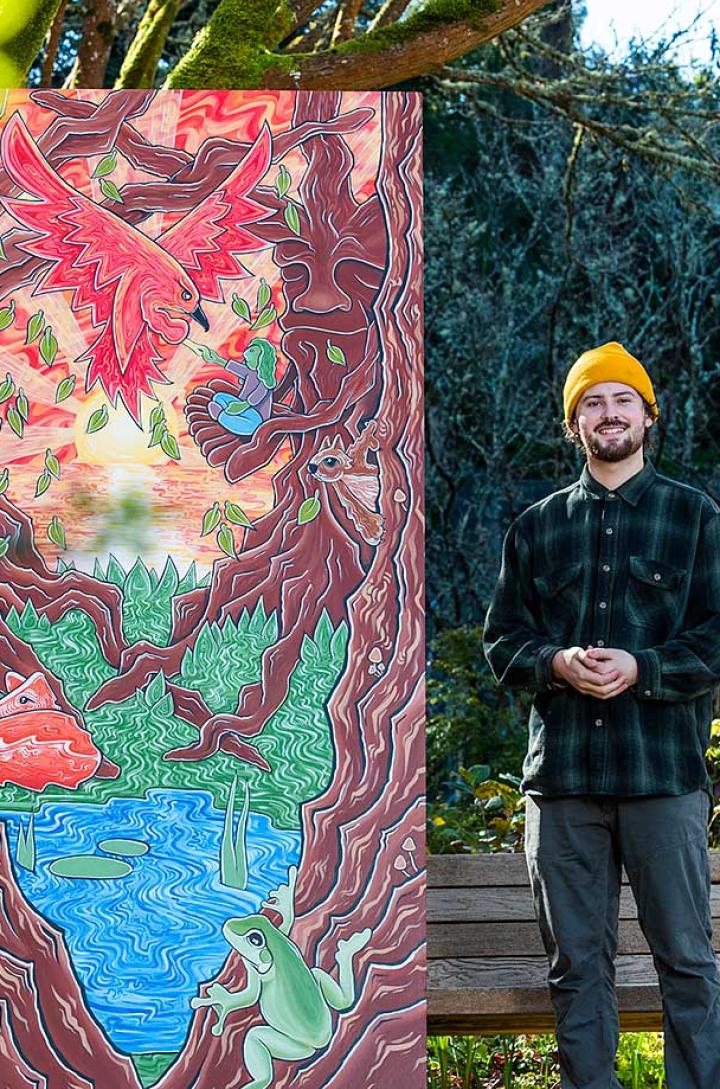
(142, 943)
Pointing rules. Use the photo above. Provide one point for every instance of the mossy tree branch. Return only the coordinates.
(241, 46)
(138, 68)
(30, 30)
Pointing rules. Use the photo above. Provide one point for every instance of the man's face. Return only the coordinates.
(611, 420)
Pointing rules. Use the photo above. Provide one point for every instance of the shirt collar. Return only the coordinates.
(631, 491)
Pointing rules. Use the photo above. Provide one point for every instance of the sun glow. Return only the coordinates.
(121, 440)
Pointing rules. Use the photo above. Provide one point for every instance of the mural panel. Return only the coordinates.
(211, 600)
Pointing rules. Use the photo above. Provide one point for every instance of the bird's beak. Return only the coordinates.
(200, 318)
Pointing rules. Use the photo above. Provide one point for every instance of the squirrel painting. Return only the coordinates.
(354, 480)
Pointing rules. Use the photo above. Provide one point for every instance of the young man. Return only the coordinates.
(608, 608)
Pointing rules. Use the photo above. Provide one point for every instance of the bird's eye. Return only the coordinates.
(185, 295)
(24, 699)
(255, 938)
(331, 461)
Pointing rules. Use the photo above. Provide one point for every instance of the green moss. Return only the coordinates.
(31, 22)
(433, 16)
(138, 68)
(235, 48)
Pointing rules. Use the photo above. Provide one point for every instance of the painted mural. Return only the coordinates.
(210, 590)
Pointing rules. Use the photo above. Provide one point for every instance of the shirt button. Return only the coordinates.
(609, 530)
(657, 576)
(606, 567)
(648, 692)
(611, 495)
(600, 643)
(603, 604)
(598, 722)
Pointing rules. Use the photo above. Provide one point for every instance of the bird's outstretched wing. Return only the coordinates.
(90, 248)
(206, 240)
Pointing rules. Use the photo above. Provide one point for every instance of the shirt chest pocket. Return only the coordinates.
(655, 594)
(560, 595)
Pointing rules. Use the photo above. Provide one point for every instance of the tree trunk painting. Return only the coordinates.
(211, 590)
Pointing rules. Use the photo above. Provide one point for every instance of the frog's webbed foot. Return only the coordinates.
(347, 947)
(222, 1001)
(341, 994)
(282, 900)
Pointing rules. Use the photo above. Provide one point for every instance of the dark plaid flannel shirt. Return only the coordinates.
(639, 569)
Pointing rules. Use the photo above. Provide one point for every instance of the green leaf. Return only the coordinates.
(156, 689)
(105, 166)
(292, 218)
(226, 541)
(336, 355)
(211, 519)
(65, 388)
(157, 416)
(283, 181)
(236, 408)
(7, 388)
(56, 533)
(21, 404)
(98, 420)
(4, 545)
(7, 314)
(34, 327)
(265, 317)
(4, 480)
(308, 510)
(110, 190)
(170, 445)
(137, 586)
(43, 483)
(241, 308)
(157, 433)
(205, 353)
(48, 346)
(15, 420)
(237, 515)
(264, 294)
(52, 464)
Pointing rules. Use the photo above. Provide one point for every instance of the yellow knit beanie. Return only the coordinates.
(608, 363)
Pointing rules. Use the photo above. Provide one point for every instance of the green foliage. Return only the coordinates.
(532, 1062)
(488, 815)
(147, 596)
(469, 720)
(137, 733)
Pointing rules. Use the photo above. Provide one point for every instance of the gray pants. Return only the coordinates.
(574, 849)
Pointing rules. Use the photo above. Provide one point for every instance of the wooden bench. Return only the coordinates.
(487, 969)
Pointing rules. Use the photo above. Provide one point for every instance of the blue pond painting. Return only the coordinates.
(141, 943)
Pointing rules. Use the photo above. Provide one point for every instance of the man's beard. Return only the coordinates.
(617, 450)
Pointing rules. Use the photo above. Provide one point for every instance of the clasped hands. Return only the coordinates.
(602, 672)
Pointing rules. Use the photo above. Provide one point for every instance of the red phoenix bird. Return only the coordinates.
(141, 292)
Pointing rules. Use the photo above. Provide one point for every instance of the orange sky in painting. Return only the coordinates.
(115, 474)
